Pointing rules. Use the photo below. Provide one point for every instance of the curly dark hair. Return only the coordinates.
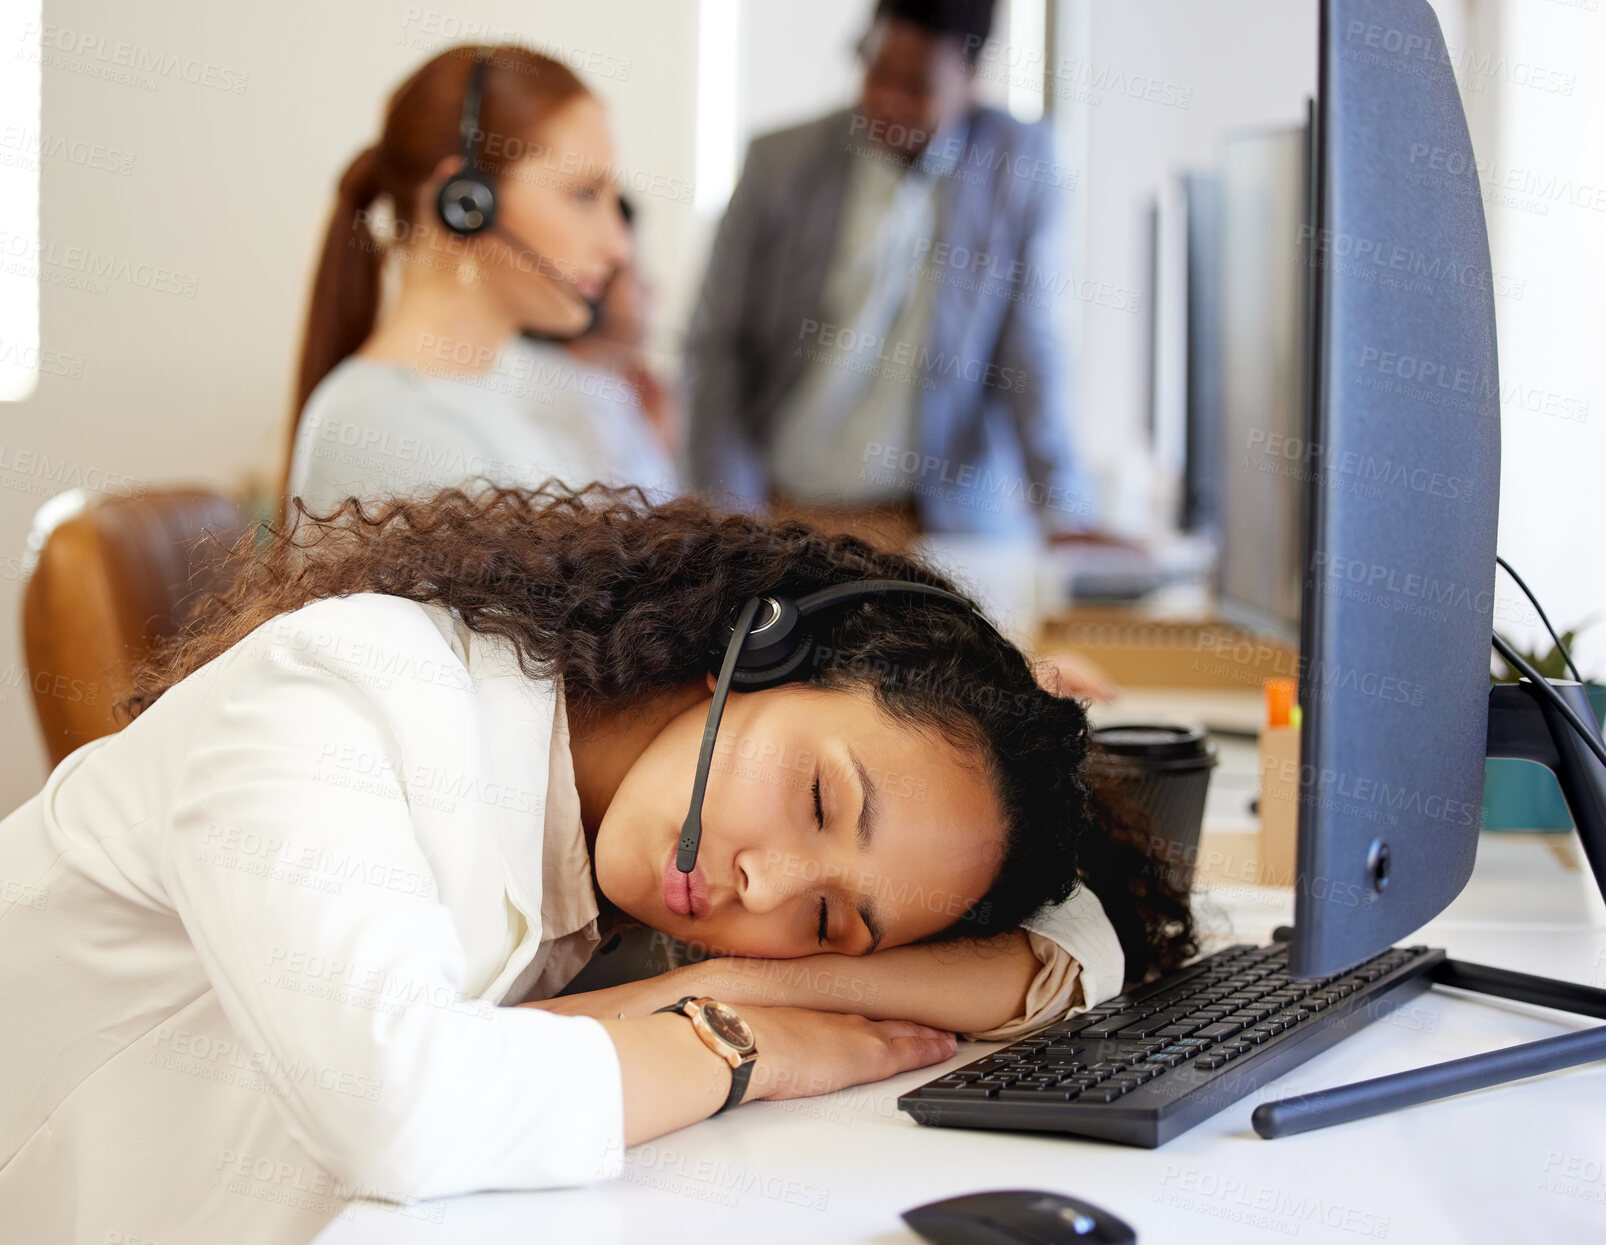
(623, 600)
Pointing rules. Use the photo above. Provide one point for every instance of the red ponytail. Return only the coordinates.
(345, 289)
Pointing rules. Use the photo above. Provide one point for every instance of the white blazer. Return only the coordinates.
(253, 946)
(252, 968)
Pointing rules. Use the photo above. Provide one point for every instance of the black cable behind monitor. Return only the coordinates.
(1543, 687)
(1534, 601)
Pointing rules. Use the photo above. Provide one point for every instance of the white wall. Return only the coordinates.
(798, 60)
(1539, 65)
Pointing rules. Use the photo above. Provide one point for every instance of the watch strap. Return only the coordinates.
(740, 1074)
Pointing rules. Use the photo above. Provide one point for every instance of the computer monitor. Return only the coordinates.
(1253, 353)
(1203, 465)
(1402, 462)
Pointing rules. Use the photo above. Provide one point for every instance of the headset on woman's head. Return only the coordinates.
(767, 652)
(467, 201)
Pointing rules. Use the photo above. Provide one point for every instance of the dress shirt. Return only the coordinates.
(865, 362)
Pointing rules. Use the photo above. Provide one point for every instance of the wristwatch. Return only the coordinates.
(726, 1034)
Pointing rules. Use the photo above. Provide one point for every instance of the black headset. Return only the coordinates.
(466, 203)
(770, 643)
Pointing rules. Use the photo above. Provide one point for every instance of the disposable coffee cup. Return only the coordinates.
(1164, 771)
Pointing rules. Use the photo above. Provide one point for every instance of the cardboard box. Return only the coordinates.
(1158, 652)
(1279, 805)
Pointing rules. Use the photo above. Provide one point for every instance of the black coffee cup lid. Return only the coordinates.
(1152, 742)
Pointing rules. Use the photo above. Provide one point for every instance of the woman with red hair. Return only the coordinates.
(488, 208)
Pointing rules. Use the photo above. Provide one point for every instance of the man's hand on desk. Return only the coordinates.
(1095, 539)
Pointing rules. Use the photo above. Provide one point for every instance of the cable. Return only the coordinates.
(1534, 601)
(1520, 663)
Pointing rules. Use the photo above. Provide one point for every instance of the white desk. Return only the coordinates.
(1517, 1164)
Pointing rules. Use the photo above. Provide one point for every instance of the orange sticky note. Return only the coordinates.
(1280, 695)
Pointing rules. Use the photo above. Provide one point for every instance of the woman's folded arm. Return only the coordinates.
(395, 1082)
(1066, 957)
(988, 989)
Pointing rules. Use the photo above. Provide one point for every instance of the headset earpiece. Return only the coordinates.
(466, 204)
(768, 643)
(780, 644)
(775, 646)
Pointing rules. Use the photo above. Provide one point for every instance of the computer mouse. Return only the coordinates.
(1017, 1217)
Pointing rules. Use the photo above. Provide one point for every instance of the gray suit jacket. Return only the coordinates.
(995, 452)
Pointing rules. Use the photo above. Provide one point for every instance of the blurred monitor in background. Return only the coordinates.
(1200, 508)
(876, 346)
(1260, 205)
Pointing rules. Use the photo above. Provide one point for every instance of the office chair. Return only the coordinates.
(109, 578)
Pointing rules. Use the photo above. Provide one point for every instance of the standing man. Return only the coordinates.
(876, 347)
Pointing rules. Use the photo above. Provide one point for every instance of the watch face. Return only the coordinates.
(727, 1025)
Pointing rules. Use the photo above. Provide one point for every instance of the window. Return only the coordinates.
(20, 153)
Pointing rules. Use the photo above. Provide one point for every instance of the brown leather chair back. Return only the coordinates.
(112, 576)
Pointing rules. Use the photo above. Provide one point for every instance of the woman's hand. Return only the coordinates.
(802, 1053)
(670, 1079)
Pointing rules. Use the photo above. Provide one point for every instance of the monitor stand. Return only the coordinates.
(1525, 726)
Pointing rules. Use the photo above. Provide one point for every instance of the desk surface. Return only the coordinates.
(1519, 1163)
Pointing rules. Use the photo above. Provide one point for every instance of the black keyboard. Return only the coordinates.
(1151, 1064)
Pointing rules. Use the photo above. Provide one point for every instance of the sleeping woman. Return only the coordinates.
(294, 936)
